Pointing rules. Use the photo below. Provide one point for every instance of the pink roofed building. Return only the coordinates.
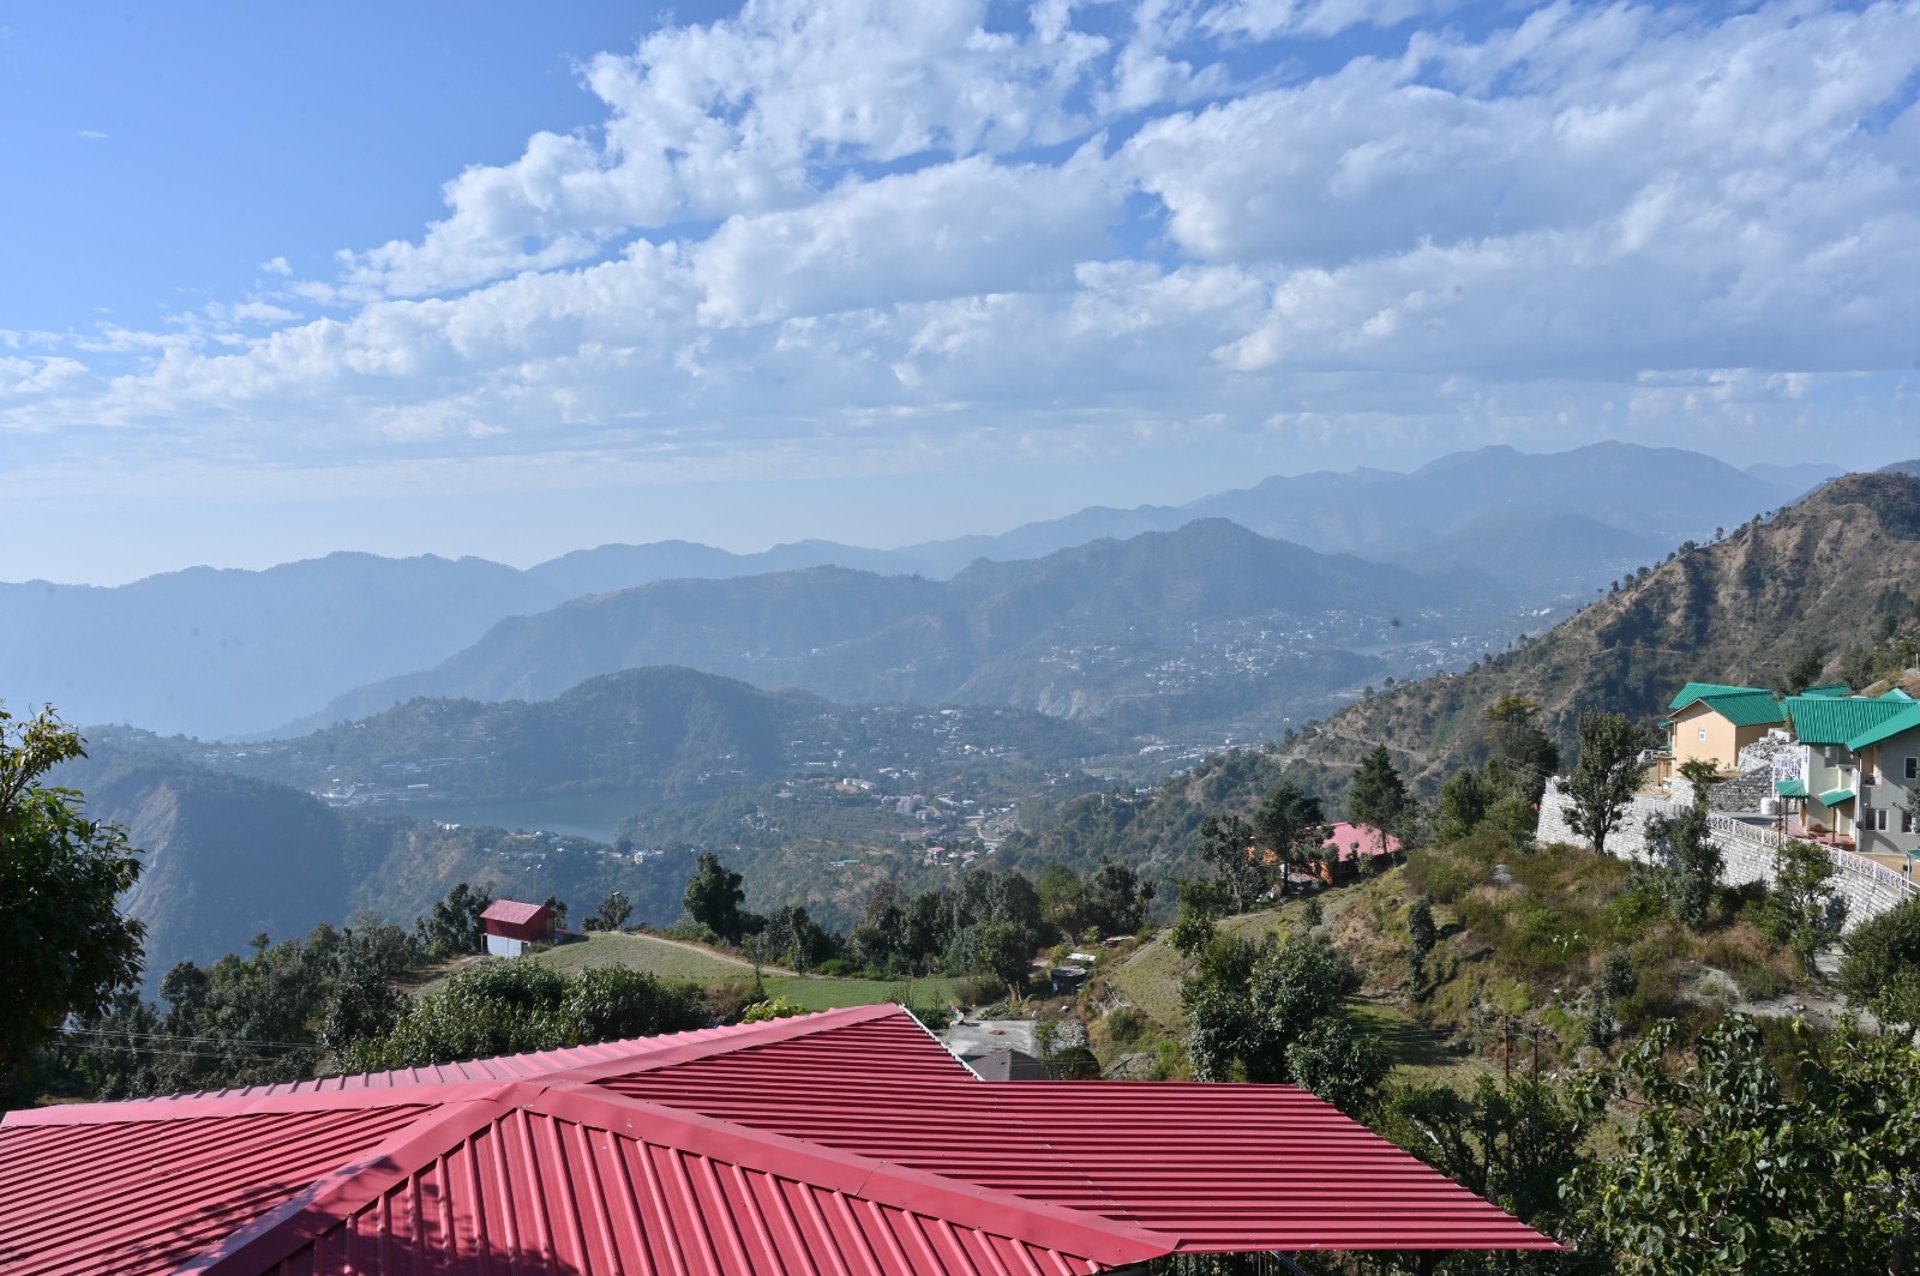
(1346, 843)
(512, 925)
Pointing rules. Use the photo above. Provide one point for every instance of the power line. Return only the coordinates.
(101, 1037)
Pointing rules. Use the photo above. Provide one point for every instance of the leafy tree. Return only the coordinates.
(1075, 1063)
(997, 949)
(1802, 671)
(1701, 775)
(362, 997)
(1741, 1164)
(1276, 1012)
(794, 938)
(1060, 890)
(1422, 934)
(1378, 796)
(1512, 729)
(1115, 899)
(1512, 1142)
(612, 914)
(1200, 905)
(713, 897)
(511, 1007)
(1690, 863)
(559, 907)
(1803, 909)
(1881, 969)
(1292, 824)
(1464, 800)
(875, 940)
(65, 948)
(453, 926)
(1227, 847)
(1605, 776)
(276, 1014)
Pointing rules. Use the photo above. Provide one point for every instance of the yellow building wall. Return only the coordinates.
(1722, 743)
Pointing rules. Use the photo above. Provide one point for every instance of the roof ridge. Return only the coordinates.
(283, 1230)
(774, 1032)
(360, 1090)
(958, 1200)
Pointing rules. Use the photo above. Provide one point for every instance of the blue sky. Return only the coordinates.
(510, 279)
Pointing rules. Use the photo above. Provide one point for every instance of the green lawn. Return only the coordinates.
(816, 993)
(672, 961)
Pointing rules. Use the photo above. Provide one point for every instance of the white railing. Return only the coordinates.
(1849, 862)
(1843, 859)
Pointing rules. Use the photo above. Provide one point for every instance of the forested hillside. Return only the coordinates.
(1831, 585)
(228, 858)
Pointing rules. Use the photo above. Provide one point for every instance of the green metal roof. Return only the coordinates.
(1834, 797)
(1790, 788)
(1831, 690)
(1747, 708)
(1696, 690)
(1823, 720)
(1908, 719)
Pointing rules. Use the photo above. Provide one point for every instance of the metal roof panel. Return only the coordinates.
(845, 1141)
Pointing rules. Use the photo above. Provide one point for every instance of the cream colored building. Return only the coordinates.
(1713, 722)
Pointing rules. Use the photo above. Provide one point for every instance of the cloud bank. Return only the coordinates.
(836, 236)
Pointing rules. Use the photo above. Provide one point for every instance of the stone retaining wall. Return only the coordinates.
(1749, 852)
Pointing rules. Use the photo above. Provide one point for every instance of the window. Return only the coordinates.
(1875, 820)
(1703, 733)
(1913, 768)
(1906, 821)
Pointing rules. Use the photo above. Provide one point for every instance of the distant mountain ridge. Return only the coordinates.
(225, 653)
(1021, 634)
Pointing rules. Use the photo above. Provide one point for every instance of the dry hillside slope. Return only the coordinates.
(1838, 573)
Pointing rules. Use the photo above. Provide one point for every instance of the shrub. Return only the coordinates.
(773, 1008)
(1125, 1025)
(1442, 875)
(979, 990)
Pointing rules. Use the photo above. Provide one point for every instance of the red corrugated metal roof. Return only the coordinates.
(512, 911)
(846, 1141)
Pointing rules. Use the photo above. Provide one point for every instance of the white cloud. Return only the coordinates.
(864, 235)
(91, 135)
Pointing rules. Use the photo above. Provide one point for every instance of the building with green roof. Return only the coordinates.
(1840, 793)
(1888, 817)
(1714, 721)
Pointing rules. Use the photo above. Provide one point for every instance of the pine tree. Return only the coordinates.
(1378, 797)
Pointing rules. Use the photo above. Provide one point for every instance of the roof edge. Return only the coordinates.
(197, 1108)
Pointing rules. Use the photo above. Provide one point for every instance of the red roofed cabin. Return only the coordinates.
(1346, 843)
(512, 925)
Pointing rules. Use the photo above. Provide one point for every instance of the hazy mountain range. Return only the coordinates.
(1164, 628)
(227, 652)
(700, 756)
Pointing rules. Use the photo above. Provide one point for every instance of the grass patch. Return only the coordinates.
(832, 994)
(664, 958)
